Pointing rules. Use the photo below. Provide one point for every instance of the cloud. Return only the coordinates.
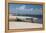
(21, 7)
(23, 10)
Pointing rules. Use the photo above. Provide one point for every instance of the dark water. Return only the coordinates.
(40, 17)
(29, 15)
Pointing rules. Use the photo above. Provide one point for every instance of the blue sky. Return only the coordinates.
(25, 9)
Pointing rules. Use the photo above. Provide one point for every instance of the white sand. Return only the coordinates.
(21, 25)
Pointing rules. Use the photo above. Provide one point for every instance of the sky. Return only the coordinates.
(25, 9)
